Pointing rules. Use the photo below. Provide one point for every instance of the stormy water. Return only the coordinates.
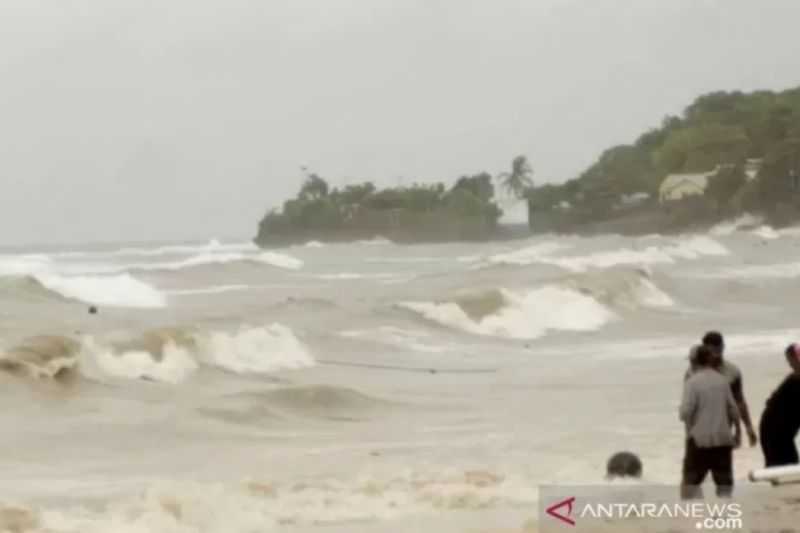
(368, 386)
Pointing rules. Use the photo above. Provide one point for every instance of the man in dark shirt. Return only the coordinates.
(780, 421)
(715, 341)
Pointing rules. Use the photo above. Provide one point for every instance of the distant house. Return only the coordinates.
(679, 186)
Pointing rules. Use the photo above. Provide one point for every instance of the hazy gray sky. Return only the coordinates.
(158, 120)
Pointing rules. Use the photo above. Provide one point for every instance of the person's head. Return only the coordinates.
(704, 357)
(792, 354)
(715, 341)
(624, 465)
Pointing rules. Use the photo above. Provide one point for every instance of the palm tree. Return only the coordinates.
(520, 179)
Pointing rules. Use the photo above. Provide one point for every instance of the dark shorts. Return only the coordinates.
(697, 462)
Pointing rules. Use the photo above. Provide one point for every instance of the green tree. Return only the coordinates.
(725, 185)
(520, 179)
(314, 188)
(480, 185)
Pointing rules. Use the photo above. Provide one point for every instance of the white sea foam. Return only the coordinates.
(730, 227)
(257, 506)
(766, 232)
(528, 255)
(544, 253)
(685, 248)
(774, 271)
(174, 364)
(255, 349)
(172, 356)
(121, 290)
(276, 259)
(525, 315)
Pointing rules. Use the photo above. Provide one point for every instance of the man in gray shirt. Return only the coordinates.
(709, 412)
(715, 341)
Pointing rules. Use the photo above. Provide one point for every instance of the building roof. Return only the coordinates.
(672, 181)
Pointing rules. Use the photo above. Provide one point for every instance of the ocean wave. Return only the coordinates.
(773, 271)
(258, 505)
(211, 246)
(629, 289)
(255, 350)
(517, 315)
(418, 341)
(43, 357)
(686, 248)
(528, 255)
(23, 265)
(375, 241)
(730, 227)
(122, 290)
(275, 259)
(167, 355)
(579, 302)
(767, 233)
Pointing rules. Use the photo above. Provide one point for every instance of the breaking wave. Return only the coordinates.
(275, 259)
(163, 355)
(684, 248)
(729, 227)
(517, 315)
(585, 302)
(211, 246)
(121, 290)
(263, 505)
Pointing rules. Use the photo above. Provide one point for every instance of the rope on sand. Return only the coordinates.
(420, 370)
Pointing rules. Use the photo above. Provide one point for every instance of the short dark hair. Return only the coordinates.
(790, 353)
(714, 339)
(703, 356)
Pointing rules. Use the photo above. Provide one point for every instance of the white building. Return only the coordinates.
(679, 186)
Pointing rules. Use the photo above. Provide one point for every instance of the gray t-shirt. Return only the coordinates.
(727, 369)
(708, 409)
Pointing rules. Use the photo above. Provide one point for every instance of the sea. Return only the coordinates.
(217, 387)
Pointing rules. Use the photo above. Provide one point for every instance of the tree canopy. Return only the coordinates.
(720, 129)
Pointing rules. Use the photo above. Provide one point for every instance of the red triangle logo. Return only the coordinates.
(555, 511)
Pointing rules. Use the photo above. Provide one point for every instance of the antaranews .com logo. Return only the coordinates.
(588, 508)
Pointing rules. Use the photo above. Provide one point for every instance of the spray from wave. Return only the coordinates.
(121, 290)
(684, 248)
(581, 302)
(517, 315)
(168, 355)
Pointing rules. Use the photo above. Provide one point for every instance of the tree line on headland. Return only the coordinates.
(723, 131)
(466, 210)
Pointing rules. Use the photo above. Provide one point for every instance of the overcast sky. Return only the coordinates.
(130, 120)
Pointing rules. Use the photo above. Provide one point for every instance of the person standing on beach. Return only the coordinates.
(715, 341)
(709, 412)
(780, 421)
